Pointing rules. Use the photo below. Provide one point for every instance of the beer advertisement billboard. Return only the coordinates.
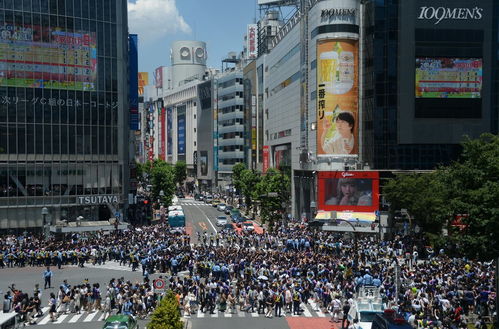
(337, 97)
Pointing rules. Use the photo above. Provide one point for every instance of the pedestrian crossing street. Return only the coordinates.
(308, 310)
(71, 317)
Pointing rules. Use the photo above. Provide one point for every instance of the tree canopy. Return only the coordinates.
(167, 314)
(163, 179)
(467, 189)
(180, 172)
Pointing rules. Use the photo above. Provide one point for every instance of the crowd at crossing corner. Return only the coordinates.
(272, 274)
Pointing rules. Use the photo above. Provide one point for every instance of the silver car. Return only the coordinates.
(221, 220)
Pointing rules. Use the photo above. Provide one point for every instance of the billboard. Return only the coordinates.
(47, 57)
(444, 77)
(348, 191)
(143, 81)
(251, 41)
(337, 97)
(158, 77)
(266, 158)
(133, 71)
(162, 123)
(169, 126)
(203, 163)
(181, 132)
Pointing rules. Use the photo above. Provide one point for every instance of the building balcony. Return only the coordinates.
(231, 102)
(238, 114)
(231, 155)
(230, 141)
(230, 129)
(230, 90)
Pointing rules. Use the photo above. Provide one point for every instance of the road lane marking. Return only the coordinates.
(45, 320)
(75, 318)
(306, 312)
(209, 221)
(90, 317)
(200, 314)
(61, 318)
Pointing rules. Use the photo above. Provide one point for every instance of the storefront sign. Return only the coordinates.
(98, 199)
(328, 13)
(442, 13)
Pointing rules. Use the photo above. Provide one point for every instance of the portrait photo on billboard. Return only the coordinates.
(352, 190)
(337, 97)
(203, 163)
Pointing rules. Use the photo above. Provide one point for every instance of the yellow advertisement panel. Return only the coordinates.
(337, 97)
(143, 81)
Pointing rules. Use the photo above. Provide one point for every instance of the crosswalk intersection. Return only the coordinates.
(308, 310)
(194, 203)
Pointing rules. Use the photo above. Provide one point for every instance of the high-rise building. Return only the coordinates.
(63, 111)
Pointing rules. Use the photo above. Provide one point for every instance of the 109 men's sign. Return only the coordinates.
(442, 13)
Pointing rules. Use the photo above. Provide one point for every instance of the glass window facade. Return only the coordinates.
(62, 103)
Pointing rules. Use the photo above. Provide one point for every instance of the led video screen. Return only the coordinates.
(348, 191)
(441, 77)
(42, 57)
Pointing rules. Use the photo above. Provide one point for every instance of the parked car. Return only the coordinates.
(215, 203)
(121, 322)
(222, 220)
(221, 207)
(208, 199)
(228, 228)
(248, 226)
(228, 209)
(198, 197)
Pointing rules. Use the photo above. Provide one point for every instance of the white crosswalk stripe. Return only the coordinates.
(308, 312)
(75, 318)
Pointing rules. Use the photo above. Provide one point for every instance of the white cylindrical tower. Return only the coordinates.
(188, 60)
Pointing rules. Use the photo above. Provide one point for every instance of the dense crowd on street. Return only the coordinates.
(271, 273)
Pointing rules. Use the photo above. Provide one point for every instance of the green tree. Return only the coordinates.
(237, 170)
(163, 179)
(422, 195)
(180, 172)
(273, 190)
(249, 179)
(472, 189)
(167, 314)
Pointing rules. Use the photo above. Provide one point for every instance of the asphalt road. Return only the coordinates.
(199, 218)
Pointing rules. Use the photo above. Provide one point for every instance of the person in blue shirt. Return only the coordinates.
(47, 275)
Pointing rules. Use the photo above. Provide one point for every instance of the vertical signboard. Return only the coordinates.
(266, 158)
(181, 129)
(162, 128)
(158, 77)
(204, 94)
(337, 97)
(251, 44)
(133, 69)
(169, 126)
(215, 138)
(143, 81)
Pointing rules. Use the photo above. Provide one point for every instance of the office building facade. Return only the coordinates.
(63, 111)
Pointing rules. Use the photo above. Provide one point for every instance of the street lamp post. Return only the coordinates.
(46, 227)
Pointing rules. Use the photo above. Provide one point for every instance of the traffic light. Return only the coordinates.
(146, 202)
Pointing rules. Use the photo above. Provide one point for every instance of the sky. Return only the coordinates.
(220, 23)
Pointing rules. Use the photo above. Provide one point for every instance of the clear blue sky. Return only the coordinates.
(219, 23)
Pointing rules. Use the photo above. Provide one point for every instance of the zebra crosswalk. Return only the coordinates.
(97, 316)
(307, 310)
(111, 265)
(194, 203)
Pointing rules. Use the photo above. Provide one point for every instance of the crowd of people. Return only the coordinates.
(271, 273)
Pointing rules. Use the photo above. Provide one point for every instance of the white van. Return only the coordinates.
(174, 208)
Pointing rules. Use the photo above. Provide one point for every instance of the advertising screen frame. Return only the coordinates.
(450, 88)
(337, 97)
(181, 130)
(324, 177)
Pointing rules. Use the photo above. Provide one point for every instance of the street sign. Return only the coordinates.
(159, 285)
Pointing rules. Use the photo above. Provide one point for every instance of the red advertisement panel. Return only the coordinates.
(162, 125)
(348, 191)
(266, 158)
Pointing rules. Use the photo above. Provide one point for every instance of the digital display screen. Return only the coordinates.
(42, 57)
(348, 191)
(448, 77)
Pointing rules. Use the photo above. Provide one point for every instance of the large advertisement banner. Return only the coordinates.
(158, 77)
(169, 127)
(133, 81)
(162, 124)
(348, 191)
(448, 77)
(43, 57)
(266, 158)
(143, 81)
(337, 97)
(181, 133)
(251, 41)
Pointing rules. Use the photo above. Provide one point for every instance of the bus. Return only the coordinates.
(176, 219)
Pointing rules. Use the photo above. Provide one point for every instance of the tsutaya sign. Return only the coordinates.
(439, 14)
(98, 199)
